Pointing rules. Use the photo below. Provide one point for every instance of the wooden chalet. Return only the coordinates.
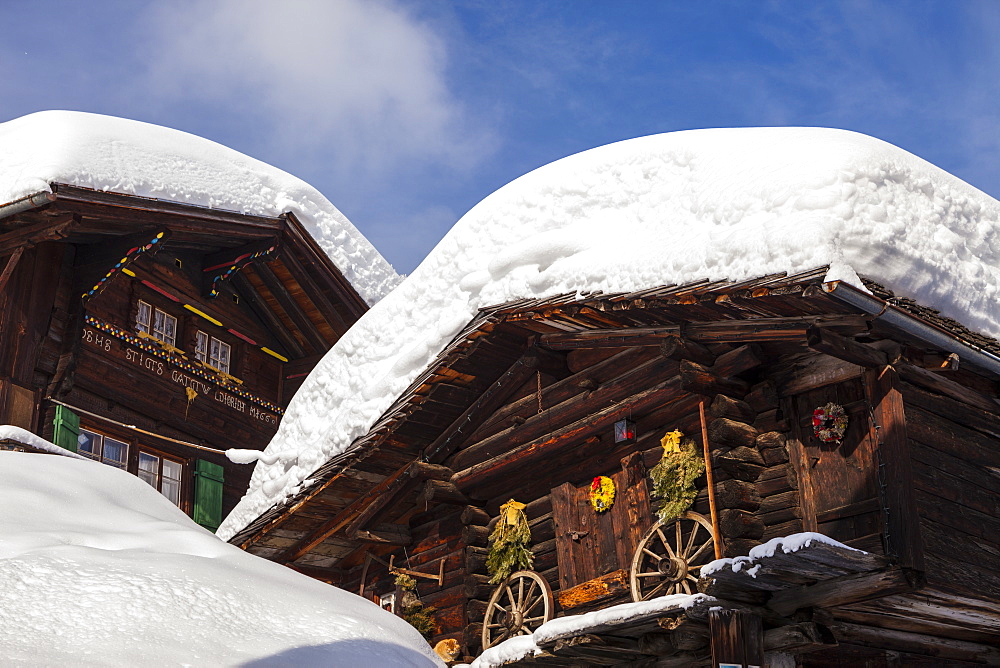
(152, 336)
(522, 405)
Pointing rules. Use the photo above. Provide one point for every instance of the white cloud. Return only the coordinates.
(361, 81)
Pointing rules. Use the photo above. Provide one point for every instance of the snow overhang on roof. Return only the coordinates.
(116, 155)
(720, 205)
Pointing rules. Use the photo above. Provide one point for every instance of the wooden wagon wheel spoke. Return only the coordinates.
(690, 542)
(521, 615)
(662, 566)
(701, 550)
(665, 542)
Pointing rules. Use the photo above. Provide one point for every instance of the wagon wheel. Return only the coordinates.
(521, 604)
(670, 556)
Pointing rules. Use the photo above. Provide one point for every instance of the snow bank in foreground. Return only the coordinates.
(674, 208)
(134, 158)
(786, 544)
(100, 569)
(569, 626)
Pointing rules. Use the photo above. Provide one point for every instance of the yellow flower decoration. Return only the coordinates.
(671, 442)
(602, 493)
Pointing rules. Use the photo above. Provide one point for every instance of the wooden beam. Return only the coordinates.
(841, 347)
(33, 235)
(668, 393)
(488, 402)
(799, 638)
(714, 331)
(842, 590)
(678, 348)
(594, 591)
(292, 308)
(270, 319)
(902, 526)
(566, 412)
(935, 382)
(341, 519)
(942, 649)
(8, 269)
(334, 576)
(697, 379)
(385, 534)
(327, 271)
(308, 280)
(736, 637)
(135, 209)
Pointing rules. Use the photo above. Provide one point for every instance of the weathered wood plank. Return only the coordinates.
(889, 431)
(842, 591)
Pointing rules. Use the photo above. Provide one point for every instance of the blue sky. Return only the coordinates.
(406, 113)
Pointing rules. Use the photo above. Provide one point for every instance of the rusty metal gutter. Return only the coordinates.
(25, 203)
(897, 318)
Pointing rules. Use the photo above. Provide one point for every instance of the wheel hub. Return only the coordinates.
(513, 619)
(672, 568)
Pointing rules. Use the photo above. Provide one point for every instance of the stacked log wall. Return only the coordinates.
(955, 453)
(436, 536)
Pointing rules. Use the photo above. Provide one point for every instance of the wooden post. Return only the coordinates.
(711, 483)
(737, 639)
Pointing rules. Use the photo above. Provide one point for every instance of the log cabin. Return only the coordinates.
(523, 403)
(152, 335)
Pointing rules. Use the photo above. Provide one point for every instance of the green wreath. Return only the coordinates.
(673, 477)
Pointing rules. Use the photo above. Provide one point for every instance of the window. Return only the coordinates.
(162, 474)
(156, 323)
(103, 448)
(212, 351)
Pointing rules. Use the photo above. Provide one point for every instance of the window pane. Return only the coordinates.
(220, 355)
(170, 483)
(88, 444)
(172, 470)
(115, 453)
(149, 467)
(201, 346)
(169, 328)
(172, 490)
(142, 318)
(164, 326)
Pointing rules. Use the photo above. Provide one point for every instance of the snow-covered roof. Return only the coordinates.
(134, 158)
(673, 208)
(19, 435)
(100, 569)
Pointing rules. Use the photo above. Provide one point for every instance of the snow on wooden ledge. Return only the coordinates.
(520, 647)
(787, 545)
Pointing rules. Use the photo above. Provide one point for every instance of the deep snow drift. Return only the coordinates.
(133, 158)
(673, 208)
(100, 569)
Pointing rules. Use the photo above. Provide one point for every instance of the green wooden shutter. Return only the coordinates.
(208, 479)
(66, 428)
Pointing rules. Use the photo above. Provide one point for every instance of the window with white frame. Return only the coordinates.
(162, 474)
(156, 323)
(102, 448)
(212, 351)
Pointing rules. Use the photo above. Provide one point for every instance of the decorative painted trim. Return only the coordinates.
(131, 254)
(203, 315)
(222, 268)
(177, 359)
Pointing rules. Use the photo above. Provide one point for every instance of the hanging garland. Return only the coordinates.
(673, 477)
(830, 423)
(602, 493)
(509, 543)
